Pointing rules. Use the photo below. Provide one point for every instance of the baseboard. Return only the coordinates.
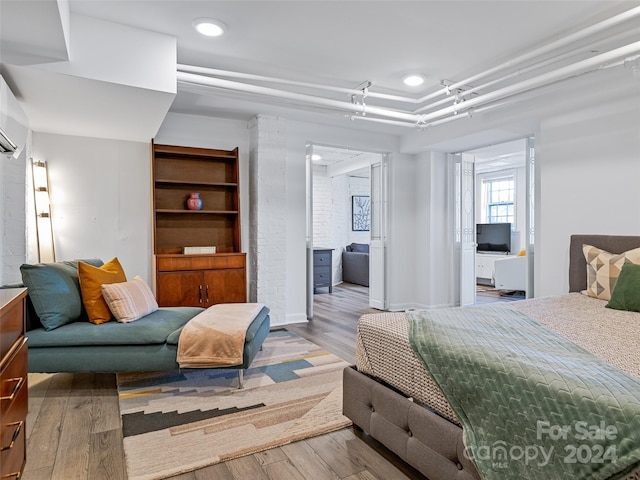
(291, 318)
(401, 307)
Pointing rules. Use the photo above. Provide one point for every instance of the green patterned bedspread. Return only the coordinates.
(533, 404)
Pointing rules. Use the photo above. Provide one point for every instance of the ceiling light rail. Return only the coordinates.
(201, 80)
(448, 88)
(214, 72)
(581, 67)
(615, 56)
(458, 100)
(464, 92)
(561, 42)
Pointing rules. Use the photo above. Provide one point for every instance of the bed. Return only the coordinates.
(390, 394)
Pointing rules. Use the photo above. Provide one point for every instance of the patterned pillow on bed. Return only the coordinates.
(603, 269)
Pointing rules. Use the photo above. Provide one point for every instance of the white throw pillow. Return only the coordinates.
(129, 301)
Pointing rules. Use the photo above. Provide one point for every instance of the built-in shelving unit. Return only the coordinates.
(177, 172)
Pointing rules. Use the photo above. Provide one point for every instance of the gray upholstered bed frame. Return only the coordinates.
(420, 437)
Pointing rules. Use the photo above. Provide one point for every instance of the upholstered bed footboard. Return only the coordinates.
(418, 436)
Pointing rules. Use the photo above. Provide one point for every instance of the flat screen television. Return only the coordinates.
(493, 237)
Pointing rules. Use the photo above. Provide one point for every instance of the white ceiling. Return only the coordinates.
(337, 43)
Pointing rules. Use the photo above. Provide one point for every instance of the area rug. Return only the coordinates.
(177, 422)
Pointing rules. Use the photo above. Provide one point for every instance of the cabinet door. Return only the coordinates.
(225, 286)
(180, 289)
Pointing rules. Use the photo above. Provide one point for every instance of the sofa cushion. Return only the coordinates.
(154, 328)
(358, 247)
(54, 291)
(130, 301)
(91, 280)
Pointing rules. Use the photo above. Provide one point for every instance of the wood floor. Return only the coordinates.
(73, 425)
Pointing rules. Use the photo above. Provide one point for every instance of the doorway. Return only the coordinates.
(502, 195)
(343, 186)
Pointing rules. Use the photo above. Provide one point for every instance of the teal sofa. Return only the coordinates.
(63, 340)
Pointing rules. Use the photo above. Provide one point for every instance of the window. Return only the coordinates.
(498, 197)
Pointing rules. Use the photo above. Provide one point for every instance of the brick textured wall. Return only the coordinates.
(12, 217)
(267, 209)
(322, 207)
(332, 214)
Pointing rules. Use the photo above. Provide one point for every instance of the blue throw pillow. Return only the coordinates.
(54, 291)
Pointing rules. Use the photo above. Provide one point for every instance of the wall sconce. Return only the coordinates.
(42, 204)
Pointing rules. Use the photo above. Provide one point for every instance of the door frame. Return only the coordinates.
(380, 259)
(528, 230)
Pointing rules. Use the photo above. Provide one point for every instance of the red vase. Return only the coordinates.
(194, 202)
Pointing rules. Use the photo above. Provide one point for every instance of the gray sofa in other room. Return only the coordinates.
(355, 264)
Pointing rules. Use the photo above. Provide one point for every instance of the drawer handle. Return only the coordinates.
(16, 433)
(14, 475)
(19, 381)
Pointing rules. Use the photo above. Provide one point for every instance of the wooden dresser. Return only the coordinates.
(13, 382)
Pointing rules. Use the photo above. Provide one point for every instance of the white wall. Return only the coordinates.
(101, 199)
(588, 170)
(402, 240)
(357, 186)
(435, 277)
(12, 217)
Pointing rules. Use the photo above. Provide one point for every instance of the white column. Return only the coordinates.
(267, 214)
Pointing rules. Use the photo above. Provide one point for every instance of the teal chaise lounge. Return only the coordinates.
(67, 342)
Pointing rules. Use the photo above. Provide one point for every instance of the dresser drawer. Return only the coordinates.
(13, 412)
(321, 276)
(13, 377)
(13, 440)
(321, 258)
(11, 326)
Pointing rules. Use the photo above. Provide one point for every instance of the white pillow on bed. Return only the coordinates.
(603, 269)
(129, 301)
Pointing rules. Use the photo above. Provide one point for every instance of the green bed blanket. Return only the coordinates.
(533, 404)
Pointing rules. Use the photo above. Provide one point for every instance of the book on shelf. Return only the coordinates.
(198, 250)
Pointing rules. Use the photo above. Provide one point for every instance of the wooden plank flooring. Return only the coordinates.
(74, 430)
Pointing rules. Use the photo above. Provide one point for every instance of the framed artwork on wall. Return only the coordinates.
(360, 213)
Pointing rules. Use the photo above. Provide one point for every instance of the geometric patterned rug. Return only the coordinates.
(180, 421)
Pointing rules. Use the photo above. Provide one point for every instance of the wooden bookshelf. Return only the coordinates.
(177, 172)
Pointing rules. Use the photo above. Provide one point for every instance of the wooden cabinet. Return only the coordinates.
(485, 268)
(13, 382)
(322, 268)
(200, 279)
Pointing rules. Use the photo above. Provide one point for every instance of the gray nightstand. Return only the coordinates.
(322, 268)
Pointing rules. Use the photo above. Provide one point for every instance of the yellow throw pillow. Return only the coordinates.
(91, 280)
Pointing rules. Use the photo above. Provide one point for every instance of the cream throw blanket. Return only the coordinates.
(215, 337)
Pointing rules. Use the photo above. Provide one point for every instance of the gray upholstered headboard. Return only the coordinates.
(577, 263)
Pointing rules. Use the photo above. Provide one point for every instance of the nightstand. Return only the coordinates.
(322, 268)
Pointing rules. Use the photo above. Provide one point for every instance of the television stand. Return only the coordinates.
(485, 267)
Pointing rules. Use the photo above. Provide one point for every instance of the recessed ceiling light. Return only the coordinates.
(209, 27)
(413, 80)
(316, 158)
